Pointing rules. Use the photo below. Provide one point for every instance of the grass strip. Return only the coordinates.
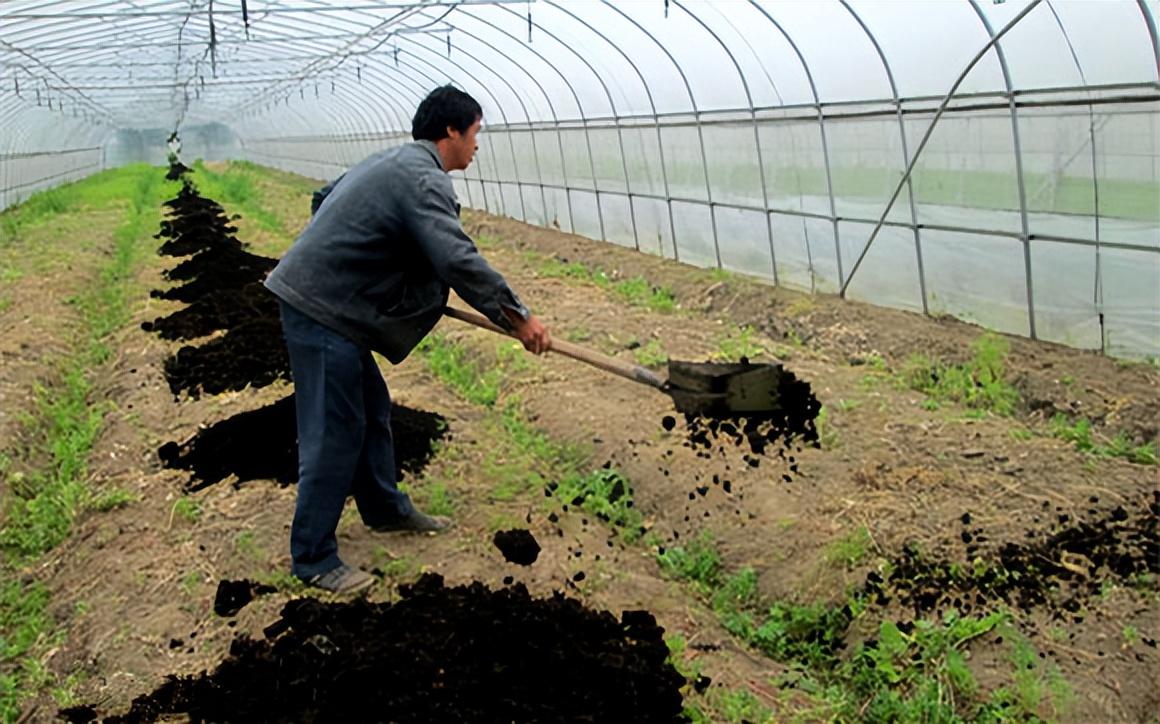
(41, 507)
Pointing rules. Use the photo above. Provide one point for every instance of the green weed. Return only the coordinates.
(1081, 435)
(40, 514)
(246, 545)
(606, 494)
(651, 354)
(698, 563)
(636, 291)
(827, 436)
(740, 705)
(741, 343)
(112, 499)
(190, 581)
(851, 549)
(450, 364)
(235, 187)
(186, 508)
(437, 500)
(1130, 635)
(980, 383)
(640, 293)
(1038, 693)
(579, 333)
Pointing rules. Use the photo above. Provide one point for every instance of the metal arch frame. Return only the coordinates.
(1097, 291)
(696, 115)
(756, 139)
(757, 143)
(551, 110)
(311, 69)
(1150, 22)
(587, 134)
(1019, 176)
(619, 130)
(926, 137)
(503, 114)
(301, 76)
(487, 137)
(656, 124)
(351, 112)
(905, 152)
(825, 143)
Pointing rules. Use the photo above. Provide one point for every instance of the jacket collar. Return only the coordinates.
(433, 150)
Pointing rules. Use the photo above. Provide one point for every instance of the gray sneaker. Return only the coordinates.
(416, 522)
(343, 579)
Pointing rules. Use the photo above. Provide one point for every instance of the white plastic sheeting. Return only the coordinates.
(766, 138)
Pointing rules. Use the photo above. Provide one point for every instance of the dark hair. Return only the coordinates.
(445, 106)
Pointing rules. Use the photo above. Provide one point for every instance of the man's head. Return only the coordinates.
(451, 119)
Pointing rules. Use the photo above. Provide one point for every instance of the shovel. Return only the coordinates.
(698, 388)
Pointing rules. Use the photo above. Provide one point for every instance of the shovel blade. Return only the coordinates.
(714, 389)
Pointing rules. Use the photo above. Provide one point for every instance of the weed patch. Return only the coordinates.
(1081, 435)
(980, 383)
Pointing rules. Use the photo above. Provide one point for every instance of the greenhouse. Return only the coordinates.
(891, 266)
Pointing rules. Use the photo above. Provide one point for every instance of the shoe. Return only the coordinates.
(416, 522)
(343, 579)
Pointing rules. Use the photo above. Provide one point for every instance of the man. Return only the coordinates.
(371, 271)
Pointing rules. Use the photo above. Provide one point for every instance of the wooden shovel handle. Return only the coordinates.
(636, 373)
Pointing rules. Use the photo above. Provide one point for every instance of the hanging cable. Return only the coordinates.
(529, 22)
(246, 18)
(212, 42)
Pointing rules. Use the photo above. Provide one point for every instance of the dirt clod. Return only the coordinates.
(518, 546)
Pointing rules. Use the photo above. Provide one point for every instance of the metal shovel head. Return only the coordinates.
(724, 389)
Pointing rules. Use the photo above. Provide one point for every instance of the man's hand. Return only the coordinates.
(532, 333)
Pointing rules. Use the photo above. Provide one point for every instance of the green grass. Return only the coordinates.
(737, 344)
(980, 383)
(1080, 434)
(236, 190)
(651, 354)
(450, 363)
(187, 509)
(636, 291)
(851, 549)
(914, 675)
(827, 436)
(698, 563)
(43, 503)
(39, 513)
(606, 494)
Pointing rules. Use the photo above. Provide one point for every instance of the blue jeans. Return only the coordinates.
(344, 441)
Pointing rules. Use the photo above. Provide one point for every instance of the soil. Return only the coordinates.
(262, 444)
(518, 546)
(439, 654)
(931, 494)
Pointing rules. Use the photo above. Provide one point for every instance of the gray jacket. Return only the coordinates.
(385, 245)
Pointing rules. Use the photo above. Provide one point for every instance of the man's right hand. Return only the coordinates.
(532, 333)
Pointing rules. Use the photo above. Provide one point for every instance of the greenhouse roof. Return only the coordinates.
(285, 67)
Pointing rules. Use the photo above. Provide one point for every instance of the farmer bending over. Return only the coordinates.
(371, 271)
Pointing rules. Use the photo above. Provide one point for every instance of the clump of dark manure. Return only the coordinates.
(440, 654)
(250, 355)
(233, 596)
(262, 444)
(518, 546)
(1057, 569)
(222, 283)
